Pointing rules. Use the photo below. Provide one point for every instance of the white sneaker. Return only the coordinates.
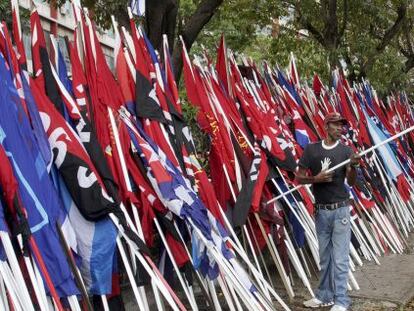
(338, 308)
(316, 303)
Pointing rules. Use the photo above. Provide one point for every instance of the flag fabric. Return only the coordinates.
(176, 194)
(222, 67)
(41, 63)
(17, 34)
(35, 186)
(93, 242)
(60, 66)
(61, 161)
(3, 228)
(244, 200)
(392, 166)
(73, 162)
(137, 7)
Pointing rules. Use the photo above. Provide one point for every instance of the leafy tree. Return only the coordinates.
(370, 39)
(361, 34)
(162, 17)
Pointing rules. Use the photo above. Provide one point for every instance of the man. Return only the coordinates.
(332, 215)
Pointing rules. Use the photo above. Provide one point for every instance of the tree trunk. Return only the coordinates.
(161, 18)
(389, 35)
(192, 28)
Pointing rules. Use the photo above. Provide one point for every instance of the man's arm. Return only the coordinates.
(303, 178)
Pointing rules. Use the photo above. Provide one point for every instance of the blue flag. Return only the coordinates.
(63, 72)
(3, 227)
(35, 186)
(391, 164)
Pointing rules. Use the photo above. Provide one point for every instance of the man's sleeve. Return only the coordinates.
(305, 159)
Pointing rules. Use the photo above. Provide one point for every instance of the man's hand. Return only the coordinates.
(323, 176)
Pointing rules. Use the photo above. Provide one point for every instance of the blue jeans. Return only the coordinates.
(334, 235)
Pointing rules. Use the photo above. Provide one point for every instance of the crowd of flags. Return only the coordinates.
(101, 181)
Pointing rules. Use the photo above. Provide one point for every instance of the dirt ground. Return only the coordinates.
(385, 287)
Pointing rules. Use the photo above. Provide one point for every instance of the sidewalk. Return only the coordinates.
(385, 287)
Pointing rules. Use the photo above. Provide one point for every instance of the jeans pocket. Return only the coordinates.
(344, 216)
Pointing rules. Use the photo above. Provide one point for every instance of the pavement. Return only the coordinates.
(391, 281)
(385, 287)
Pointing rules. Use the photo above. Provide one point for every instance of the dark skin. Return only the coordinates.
(334, 131)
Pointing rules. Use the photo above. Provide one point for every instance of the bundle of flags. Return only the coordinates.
(100, 167)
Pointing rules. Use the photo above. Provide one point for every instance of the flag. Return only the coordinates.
(222, 67)
(137, 7)
(17, 34)
(176, 194)
(244, 200)
(93, 242)
(79, 83)
(3, 228)
(293, 72)
(35, 187)
(317, 85)
(73, 162)
(36, 122)
(124, 72)
(60, 66)
(391, 164)
(41, 63)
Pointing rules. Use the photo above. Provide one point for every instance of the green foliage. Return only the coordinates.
(201, 140)
(6, 14)
(5, 9)
(249, 30)
(241, 21)
(387, 74)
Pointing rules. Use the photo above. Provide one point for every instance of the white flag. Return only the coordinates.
(137, 7)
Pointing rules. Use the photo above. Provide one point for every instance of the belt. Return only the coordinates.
(332, 206)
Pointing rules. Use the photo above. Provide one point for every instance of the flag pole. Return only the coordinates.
(246, 232)
(75, 270)
(381, 171)
(411, 128)
(203, 287)
(188, 294)
(10, 286)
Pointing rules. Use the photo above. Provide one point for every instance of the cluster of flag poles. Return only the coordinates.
(100, 176)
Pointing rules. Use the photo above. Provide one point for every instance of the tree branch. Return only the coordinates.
(407, 35)
(350, 67)
(331, 24)
(192, 28)
(161, 19)
(394, 29)
(386, 39)
(345, 19)
(404, 51)
(305, 23)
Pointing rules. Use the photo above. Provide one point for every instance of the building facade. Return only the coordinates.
(60, 22)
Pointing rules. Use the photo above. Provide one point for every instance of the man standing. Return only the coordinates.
(332, 214)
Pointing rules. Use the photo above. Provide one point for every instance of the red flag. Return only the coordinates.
(17, 34)
(222, 67)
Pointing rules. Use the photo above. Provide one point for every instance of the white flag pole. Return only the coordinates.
(411, 128)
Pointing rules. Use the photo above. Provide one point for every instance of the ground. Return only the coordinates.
(385, 287)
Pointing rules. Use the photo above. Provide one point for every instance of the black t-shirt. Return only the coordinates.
(317, 157)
